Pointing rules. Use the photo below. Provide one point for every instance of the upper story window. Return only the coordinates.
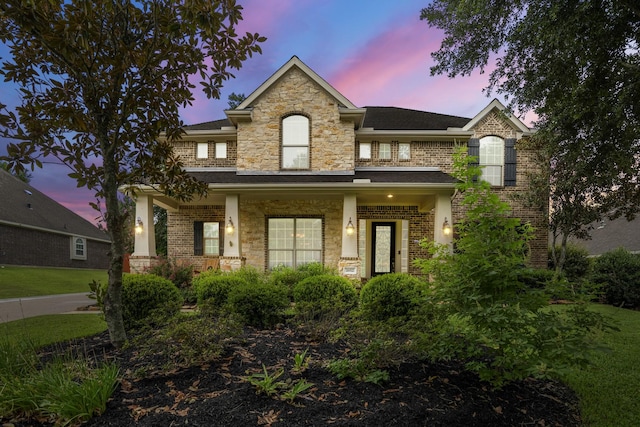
(404, 151)
(365, 151)
(295, 142)
(384, 151)
(221, 150)
(491, 158)
(78, 248)
(202, 150)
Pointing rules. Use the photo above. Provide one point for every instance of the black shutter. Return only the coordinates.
(221, 238)
(198, 237)
(510, 162)
(473, 149)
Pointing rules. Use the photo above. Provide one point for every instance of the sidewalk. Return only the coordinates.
(19, 308)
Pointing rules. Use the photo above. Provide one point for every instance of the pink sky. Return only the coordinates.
(374, 53)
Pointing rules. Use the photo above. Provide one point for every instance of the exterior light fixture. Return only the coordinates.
(350, 228)
(446, 228)
(230, 228)
(139, 226)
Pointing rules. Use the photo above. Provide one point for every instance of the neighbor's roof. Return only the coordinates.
(378, 118)
(24, 206)
(609, 235)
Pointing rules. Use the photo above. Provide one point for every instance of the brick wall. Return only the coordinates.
(186, 150)
(22, 246)
(423, 154)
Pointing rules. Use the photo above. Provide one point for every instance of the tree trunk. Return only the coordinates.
(115, 226)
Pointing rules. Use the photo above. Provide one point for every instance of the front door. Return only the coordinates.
(384, 248)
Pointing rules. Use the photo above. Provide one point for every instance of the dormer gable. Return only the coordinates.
(508, 119)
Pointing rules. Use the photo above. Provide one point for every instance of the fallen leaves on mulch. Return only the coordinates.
(418, 394)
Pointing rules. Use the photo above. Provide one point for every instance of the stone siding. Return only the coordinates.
(331, 139)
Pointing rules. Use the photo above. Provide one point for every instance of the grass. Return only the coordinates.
(44, 330)
(21, 282)
(609, 388)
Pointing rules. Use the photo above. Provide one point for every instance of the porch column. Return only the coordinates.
(349, 213)
(145, 238)
(442, 213)
(232, 237)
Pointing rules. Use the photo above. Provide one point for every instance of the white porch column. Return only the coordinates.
(349, 213)
(232, 240)
(145, 241)
(442, 212)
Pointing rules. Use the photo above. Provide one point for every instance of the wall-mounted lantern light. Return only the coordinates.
(230, 228)
(350, 228)
(139, 226)
(446, 228)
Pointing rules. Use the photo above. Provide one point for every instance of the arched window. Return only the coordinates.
(295, 142)
(492, 159)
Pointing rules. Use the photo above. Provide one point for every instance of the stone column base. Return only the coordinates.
(231, 263)
(140, 264)
(349, 268)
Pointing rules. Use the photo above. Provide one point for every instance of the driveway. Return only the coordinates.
(19, 308)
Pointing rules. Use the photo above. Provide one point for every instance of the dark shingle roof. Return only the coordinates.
(23, 204)
(609, 235)
(379, 118)
(395, 176)
(392, 118)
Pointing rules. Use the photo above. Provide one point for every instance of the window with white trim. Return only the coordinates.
(211, 238)
(78, 248)
(384, 151)
(221, 150)
(295, 142)
(294, 241)
(365, 151)
(404, 151)
(202, 150)
(491, 159)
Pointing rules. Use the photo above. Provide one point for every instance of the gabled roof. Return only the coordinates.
(498, 106)
(24, 206)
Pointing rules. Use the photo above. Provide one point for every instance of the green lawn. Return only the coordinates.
(49, 329)
(609, 389)
(20, 282)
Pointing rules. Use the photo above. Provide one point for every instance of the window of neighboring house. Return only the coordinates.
(365, 150)
(78, 248)
(295, 142)
(207, 239)
(492, 159)
(294, 241)
(384, 151)
(221, 150)
(202, 150)
(404, 151)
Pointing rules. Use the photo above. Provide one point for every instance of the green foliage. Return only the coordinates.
(66, 390)
(619, 273)
(260, 305)
(358, 370)
(322, 292)
(481, 312)
(267, 383)
(179, 273)
(577, 264)
(295, 389)
(300, 361)
(98, 291)
(289, 276)
(146, 296)
(212, 287)
(391, 296)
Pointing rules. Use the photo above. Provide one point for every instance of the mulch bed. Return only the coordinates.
(418, 394)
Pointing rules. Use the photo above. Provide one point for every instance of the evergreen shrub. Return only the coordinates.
(618, 272)
(261, 305)
(147, 296)
(390, 296)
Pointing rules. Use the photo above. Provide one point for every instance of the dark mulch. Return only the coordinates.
(418, 394)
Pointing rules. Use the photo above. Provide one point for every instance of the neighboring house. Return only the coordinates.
(37, 231)
(297, 174)
(608, 235)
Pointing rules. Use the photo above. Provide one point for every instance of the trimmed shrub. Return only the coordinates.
(391, 295)
(619, 273)
(180, 274)
(577, 264)
(213, 288)
(145, 296)
(261, 305)
(289, 276)
(324, 292)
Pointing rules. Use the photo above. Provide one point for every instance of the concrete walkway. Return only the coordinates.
(19, 308)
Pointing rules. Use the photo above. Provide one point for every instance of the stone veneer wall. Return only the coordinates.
(186, 150)
(254, 215)
(331, 139)
(420, 226)
(180, 231)
(526, 163)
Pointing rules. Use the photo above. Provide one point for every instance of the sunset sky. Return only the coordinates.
(375, 52)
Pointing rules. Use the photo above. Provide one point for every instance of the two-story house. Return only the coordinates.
(298, 174)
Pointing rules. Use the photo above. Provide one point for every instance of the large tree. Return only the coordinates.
(576, 64)
(100, 80)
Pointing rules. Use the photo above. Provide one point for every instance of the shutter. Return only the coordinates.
(198, 237)
(510, 162)
(473, 149)
(221, 237)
